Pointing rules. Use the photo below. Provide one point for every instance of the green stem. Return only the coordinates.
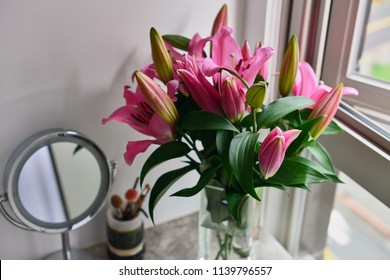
(237, 76)
(225, 246)
(254, 121)
(190, 142)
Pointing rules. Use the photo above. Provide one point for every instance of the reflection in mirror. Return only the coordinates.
(58, 182)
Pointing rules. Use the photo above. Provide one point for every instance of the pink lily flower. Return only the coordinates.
(306, 84)
(273, 150)
(203, 93)
(232, 97)
(141, 117)
(327, 107)
(226, 53)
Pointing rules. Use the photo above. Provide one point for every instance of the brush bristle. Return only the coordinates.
(116, 201)
(131, 194)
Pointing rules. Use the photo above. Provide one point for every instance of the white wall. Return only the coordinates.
(64, 64)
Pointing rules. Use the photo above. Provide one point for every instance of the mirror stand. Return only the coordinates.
(67, 253)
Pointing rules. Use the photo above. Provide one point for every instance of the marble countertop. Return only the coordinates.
(178, 240)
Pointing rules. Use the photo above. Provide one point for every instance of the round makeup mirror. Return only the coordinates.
(55, 181)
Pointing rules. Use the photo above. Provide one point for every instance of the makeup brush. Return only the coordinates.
(136, 182)
(141, 199)
(144, 192)
(131, 196)
(116, 202)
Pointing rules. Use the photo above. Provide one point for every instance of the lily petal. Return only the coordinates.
(134, 148)
(204, 94)
(290, 136)
(210, 68)
(161, 130)
(225, 50)
(253, 66)
(306, 81)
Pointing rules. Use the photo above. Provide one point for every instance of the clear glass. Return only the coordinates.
(220, 237)
(359, 226)
(374, 56)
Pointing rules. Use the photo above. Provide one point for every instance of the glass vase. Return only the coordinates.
(220, 236)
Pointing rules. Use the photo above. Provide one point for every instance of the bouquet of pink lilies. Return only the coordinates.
(209, 110)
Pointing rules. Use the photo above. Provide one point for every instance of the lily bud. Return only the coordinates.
(289, 68)
(327, 107)
(246, 51)
(157, 99)
(273, 150)
(220, 20)
(256, 94)
(232, 97)
(161, 59)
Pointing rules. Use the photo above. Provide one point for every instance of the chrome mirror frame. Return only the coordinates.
(23, 152)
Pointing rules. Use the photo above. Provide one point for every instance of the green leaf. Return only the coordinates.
(235, 202)
(333, 128)
(200, 120)
(177, 41)
(276, 110)
(301, 186)
(320, 153)
(204, 179)
(241, 157)
(162, 185)
(223, 140)
(293, 119)
(301, 171)
(163, 153)
(265, 183)
(303, 137)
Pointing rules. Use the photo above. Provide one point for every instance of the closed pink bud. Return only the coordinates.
(157, 99)
(232, 97)
(326, 107)
(220, 20)
(273, 150)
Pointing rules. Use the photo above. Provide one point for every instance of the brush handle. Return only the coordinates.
(118, 213)
(141, 199)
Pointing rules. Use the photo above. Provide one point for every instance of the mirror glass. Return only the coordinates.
(57, 184)
(56, 181)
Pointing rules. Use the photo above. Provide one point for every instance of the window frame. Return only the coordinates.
(300, 220)
(340, 56)
(361, 135)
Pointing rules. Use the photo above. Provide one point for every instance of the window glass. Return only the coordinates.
(359, 226)
(374, 56)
